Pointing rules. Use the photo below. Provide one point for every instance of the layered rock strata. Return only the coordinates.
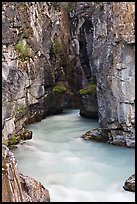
(69, 54)
(105, 32)
(36, 51)
(17, 187)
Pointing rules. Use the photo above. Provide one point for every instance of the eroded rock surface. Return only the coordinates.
(17, 187)
(35, 54)
(109, 33)
(129, 184)
(79, 57)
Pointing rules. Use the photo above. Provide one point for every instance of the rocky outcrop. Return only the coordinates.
(17, 187)
(129, 184)
(82, 50)
(106, 31)
(112, 136)
(78, 54)
(35, 54)
(82, 35)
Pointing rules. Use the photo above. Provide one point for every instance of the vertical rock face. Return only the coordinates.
(114, 59)
(35, 53)
(82, 35)
(15, 186)
(105, 31)
(35, 39)
(111, 56)
(50, 58)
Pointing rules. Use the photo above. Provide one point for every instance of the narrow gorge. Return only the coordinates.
(58, 55)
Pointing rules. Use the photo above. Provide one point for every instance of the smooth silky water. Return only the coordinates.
(73, 169)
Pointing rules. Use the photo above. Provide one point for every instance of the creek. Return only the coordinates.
(73, 169)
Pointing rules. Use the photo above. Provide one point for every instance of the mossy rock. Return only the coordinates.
(59, 88)
(24, 51)
(89, 89)
(26, 135)
(57, 46)
(13, 140)
(68, 6)
(5, 142)
(33, 119)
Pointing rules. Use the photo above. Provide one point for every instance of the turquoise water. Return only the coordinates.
(73, 169)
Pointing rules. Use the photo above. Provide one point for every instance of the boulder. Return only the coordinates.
(17, 187)
(129, 184)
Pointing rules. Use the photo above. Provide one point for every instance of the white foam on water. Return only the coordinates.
(72, 169)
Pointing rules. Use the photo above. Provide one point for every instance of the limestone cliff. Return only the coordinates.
(64, 54)
(83, 49)
(36, 51)
(35, 39)
(17, 187)
(108, 29)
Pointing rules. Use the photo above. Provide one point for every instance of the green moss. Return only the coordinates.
(56, 46)
(23, 49)
(13, 140)
(5, 142)
(89, 89)
(69, 6)
(20, 109)
(59, 88)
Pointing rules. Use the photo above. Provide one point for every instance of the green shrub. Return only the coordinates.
(23, 49)
(59, 88)
(89, 89)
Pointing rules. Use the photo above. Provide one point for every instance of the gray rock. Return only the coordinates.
(107, 54)
(129, 184)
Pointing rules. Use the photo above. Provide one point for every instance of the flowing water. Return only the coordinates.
(73, 169)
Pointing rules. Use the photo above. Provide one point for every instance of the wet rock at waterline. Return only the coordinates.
(17, 187)
(116, 137)
(112, 136)
(129, 184)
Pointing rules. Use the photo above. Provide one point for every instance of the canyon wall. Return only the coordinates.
(109, 40)
(36, 50)
(17, 187)
(67, 54)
